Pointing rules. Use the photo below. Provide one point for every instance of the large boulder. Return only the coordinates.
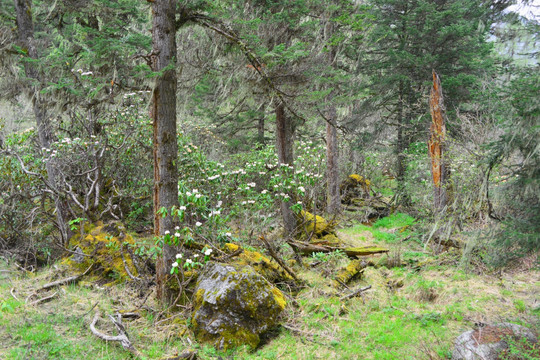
(487, 342)
(233, 305)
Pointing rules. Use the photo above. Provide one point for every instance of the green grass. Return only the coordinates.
(398, 223)
(393, 221)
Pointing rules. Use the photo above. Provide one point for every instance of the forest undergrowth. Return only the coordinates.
(413, 310)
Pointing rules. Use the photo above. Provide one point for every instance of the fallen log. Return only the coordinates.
(350, 271)
(352, 252)
(364, 251)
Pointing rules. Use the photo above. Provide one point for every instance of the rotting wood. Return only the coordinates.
(122, 337)
(436, 144)
(355, 293)
(347, 273)
(352, 252)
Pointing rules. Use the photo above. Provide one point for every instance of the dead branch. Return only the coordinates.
(133, 277)
(12, 292)
(122, 338)
(355, 293)
(65, 281)
(45, 299)
(231, 255)
(278, 258)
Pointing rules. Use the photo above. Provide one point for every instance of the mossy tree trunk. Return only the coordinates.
(163, 114)
(25, 27)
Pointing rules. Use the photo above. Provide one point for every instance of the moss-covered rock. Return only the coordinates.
(314, 224)
(260, 263)
(329, 239)
(355, 186)
(102, 245)
(234, 305)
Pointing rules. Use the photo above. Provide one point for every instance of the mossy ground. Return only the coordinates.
(411, 312)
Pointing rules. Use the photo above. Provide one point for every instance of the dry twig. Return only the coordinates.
(45, 299)
(355, 293)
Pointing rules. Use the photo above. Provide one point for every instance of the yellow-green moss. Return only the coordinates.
(329, 239)
(315, 224)
(231, 247)
(103, 244)
(347, 273)
(363, 251)
(279, 297)
(260, 263)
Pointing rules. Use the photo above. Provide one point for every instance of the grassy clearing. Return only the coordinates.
(412, 312)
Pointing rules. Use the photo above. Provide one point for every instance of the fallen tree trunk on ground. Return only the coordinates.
(350, 271)
(352, 252)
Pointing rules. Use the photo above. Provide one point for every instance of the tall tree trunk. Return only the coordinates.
(45, 131)
(401, 147)
(284, 145)
(163, 114)
(260, 131)
(436, 145)
(333, 199)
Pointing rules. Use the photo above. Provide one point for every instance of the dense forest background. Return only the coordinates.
(362, 68)
(219, 121)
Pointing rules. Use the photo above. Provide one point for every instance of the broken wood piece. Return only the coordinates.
(350, 271)
(355, 293)
(45, 299)
(122, 337)
(65, 281)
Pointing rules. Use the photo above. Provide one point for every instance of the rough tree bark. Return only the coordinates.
(332, 150)
(284, 145)
(46, 136)
(260, 131)
(163, 114)
(436, 145)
